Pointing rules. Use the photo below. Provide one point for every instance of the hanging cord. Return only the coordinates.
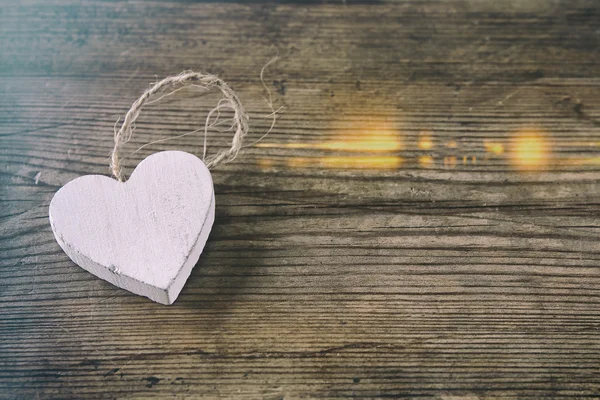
(229, 101)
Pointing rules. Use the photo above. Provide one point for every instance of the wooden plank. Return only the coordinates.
(422, 221)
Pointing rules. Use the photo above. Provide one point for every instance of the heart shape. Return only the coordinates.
(144, 235)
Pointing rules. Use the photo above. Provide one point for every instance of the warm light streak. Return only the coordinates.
(301, 162)
(425, 142)
(426, 162)
(368, 162)
(378, 146)
(373, 143)
(579, 161)
(530, 151)
(450, 162)
(365, 145)
(494, 148)
(347, 162)
(266, 162)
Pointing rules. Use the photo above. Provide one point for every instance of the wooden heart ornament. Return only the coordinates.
(144, 235)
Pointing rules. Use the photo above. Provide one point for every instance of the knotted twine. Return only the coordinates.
(230, 101)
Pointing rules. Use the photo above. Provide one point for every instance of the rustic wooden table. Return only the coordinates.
(423, 221)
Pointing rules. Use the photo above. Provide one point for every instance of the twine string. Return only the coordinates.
(229, 101)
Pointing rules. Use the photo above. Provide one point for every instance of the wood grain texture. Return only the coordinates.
(422, 222)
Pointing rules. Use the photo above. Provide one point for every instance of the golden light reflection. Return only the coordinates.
(530, 151)
(466, 160)
(380, 145)
(493, 147)
(426, 162)
(300, 162)
(580, 161)
(582, 144)
(266, 163)
(425, 142)
(341, 162)
(450, 162)
(368, 145)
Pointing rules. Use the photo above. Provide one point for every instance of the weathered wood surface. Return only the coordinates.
(457, 257)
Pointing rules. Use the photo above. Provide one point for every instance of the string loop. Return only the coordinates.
(187, 78)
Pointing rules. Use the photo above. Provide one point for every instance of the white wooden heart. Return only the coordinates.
(144, 235)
